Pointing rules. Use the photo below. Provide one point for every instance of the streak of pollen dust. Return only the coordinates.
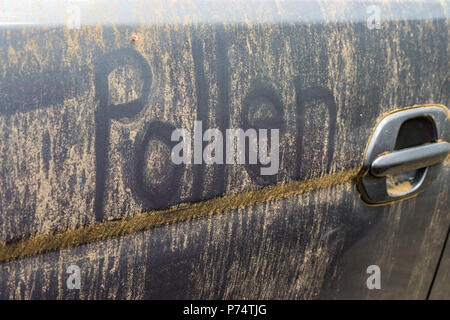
(98, 231)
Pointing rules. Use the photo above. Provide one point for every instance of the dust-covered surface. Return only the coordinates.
(102, 230)
(85, 119)
(441, 289)
(282, 249)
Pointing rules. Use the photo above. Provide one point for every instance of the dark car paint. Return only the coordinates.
(72, 151)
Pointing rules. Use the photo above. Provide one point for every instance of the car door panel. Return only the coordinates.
(85, 124)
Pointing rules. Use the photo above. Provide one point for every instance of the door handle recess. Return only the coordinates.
(410, 159)
(385, 160)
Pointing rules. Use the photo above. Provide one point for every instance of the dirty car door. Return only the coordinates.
(91, 97)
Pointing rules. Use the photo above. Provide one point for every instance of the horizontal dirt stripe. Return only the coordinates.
(98, 231)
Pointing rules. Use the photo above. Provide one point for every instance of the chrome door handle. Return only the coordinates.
(410, 159)
(387, 162)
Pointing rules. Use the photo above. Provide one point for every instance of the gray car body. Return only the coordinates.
(81, 104)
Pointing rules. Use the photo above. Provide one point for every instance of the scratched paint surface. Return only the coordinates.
(85, 119)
